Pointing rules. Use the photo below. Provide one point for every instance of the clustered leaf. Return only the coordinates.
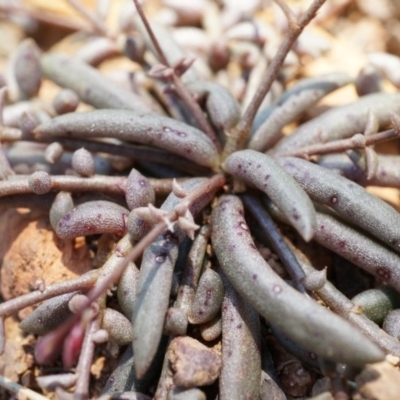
(196, 211)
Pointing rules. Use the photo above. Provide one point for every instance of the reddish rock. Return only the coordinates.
(30, 251)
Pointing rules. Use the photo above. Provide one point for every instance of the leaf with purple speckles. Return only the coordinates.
(241, 342)
(151, 129)
(342, 122)
(267, 175)
(297, 316)
(155, 281)
(348, 199)
(208, 299)
(93, 217)
(139, 192)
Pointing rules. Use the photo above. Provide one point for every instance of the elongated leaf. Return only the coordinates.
(154, 286)
(297, 316)
(342, 122)
(291, 104)
(208, 298)
(152, 129)
(90, 85)
(348, 199)
(91, 218)
(266, 174)
(241, 342)
(358, 248)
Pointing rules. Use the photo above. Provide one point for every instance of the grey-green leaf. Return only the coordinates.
(348, 199)
(151, 129)
(267, 175)
(342, 122)
(299, 317)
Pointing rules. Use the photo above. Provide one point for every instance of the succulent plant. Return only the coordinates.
(210, 188)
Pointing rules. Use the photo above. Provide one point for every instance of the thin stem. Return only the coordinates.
(150, 32)
(290, 16)
(109, 184)
(195, 110)
(105, 184)
(238, 136)
(358, 141)
(85, 361)
(214, 183)
(84, 282)
(344, 307)
(97, 23)
(179, 86)
(20, 390)
(381, 137)
(45, 350)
